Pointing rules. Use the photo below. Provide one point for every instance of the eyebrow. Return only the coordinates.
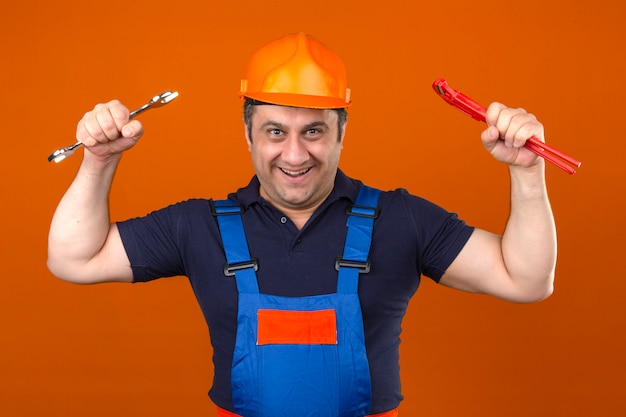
(282, 126)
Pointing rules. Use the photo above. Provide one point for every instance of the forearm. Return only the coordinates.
(519, 265)
(529, 246)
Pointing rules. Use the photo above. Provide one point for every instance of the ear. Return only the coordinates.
(247, 136)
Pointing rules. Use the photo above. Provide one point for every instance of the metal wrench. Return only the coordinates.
(156, 101)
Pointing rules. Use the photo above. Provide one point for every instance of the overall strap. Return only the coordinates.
(360, 224)
(238, 260)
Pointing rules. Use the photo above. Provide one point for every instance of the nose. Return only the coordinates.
(295, 151)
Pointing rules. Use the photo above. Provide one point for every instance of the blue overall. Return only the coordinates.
(300, 356)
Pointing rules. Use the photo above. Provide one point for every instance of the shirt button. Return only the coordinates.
(283, 220)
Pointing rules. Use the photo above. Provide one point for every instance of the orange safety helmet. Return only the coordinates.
(297, 71)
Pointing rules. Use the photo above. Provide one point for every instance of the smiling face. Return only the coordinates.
(295, 152)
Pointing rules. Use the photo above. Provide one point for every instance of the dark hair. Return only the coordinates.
(248, 111)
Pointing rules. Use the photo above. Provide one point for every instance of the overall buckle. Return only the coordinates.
(230, 269)
(226, 210)
(363, 267)
(363, 211)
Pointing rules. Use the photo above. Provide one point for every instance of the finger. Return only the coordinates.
(133, 129)
(493, 111)
(88, 130)
(112, 118)
(499, 116)
(103, 123)
(522, 127)
(490, 137)
(515, 125)
(505, 127)
(526, 131)
(119, 113)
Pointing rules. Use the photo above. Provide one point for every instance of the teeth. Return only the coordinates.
(295, 173)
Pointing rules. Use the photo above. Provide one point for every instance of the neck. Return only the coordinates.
(300, 217)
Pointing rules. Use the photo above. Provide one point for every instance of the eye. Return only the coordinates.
(314, 133)
(274, 134)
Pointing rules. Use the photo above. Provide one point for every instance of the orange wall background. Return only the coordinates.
(143, 350)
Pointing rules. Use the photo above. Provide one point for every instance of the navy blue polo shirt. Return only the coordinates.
(412, 237)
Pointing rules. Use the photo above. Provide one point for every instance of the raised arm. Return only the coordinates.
(83, 246)
(519, 265)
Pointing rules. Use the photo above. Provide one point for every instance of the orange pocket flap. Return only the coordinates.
(288, 327)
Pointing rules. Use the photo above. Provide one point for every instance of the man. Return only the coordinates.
(304, 312)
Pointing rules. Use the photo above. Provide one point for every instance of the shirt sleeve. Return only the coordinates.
(440, 234)
(156, 243)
